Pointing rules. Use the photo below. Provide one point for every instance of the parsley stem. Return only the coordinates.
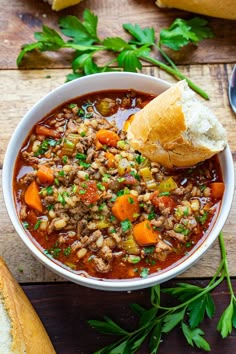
(175, 73)
(226, 265)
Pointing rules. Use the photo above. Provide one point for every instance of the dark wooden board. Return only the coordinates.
(21, 18)
(65, 308)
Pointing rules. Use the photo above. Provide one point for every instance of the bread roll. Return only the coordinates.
(176, 129)
(21, 331)
(223, 9)
(58, 5)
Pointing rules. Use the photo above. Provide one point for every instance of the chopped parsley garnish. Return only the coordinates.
(56, 180)
(25, 224)
(80, 156)
(53, 251)
(203, 218)
(50, 207)
(181, 229)
(49, 190)
(61, 199)
(101, 207)
(123, 191)
(61, 173)
(64, 159)
(140, 159)
(121, 179)
(125, 225)
(135, 175)
(100, 186)
(202, 187)
(84, 164)
(130, 200)
(36, 226)
(144, 273)
(151, 215)
(67, 251)
(186, 211)
(106, 177)
(72, 105)
(82, 191)
(148, 250)
(163, 194)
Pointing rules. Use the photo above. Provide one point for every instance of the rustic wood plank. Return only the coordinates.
(21, 89)
(80, 304)
(23, 18)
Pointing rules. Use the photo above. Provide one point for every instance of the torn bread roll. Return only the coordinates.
(21, 331)
(176, 129)
(222, 9)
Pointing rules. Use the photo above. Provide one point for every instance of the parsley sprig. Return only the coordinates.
(128, 55)
(195, 303)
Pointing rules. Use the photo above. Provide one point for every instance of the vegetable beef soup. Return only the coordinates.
(94, 205)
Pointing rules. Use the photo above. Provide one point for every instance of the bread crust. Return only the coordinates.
(158, 131)
(222, 9)
(28, 333)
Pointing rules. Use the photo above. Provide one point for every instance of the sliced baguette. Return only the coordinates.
(222, 9)
(176, 129)
(21, 331)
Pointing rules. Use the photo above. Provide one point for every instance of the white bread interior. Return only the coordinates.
(21, 331)
(176, 129)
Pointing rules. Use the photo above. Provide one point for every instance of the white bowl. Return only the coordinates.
(88, 84)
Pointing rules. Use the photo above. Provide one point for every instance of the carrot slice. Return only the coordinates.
(32, 197)
(107, 137)
(42, 130)
(217, 189)
(126, 207)
(45, 174)
(144, 234)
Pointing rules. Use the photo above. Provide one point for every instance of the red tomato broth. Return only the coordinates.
(61, 252)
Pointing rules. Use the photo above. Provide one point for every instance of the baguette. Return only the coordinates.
(222, 9)
(21, 331)
(176, 130)
(58, 5)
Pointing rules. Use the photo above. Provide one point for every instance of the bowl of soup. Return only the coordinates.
(94, 210)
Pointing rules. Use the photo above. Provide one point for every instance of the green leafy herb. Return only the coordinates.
(36, 226)
(195, 303)
(128, 55)
(25, 224)
(125, 225)
(67, 251)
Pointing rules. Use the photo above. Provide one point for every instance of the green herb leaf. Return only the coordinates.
(225, 323)
(195, 336)
(145, 36)
(107, 326)
(156, 295)
(125, 225)
(170, 321)
(116, 44)
(155, 338)
(182, 32)
(84, 33)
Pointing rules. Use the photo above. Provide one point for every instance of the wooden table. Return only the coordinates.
(65, 307)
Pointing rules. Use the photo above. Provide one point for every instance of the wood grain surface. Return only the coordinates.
(21, 18)
(66, 308)
(21, 89)
(63, 307)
